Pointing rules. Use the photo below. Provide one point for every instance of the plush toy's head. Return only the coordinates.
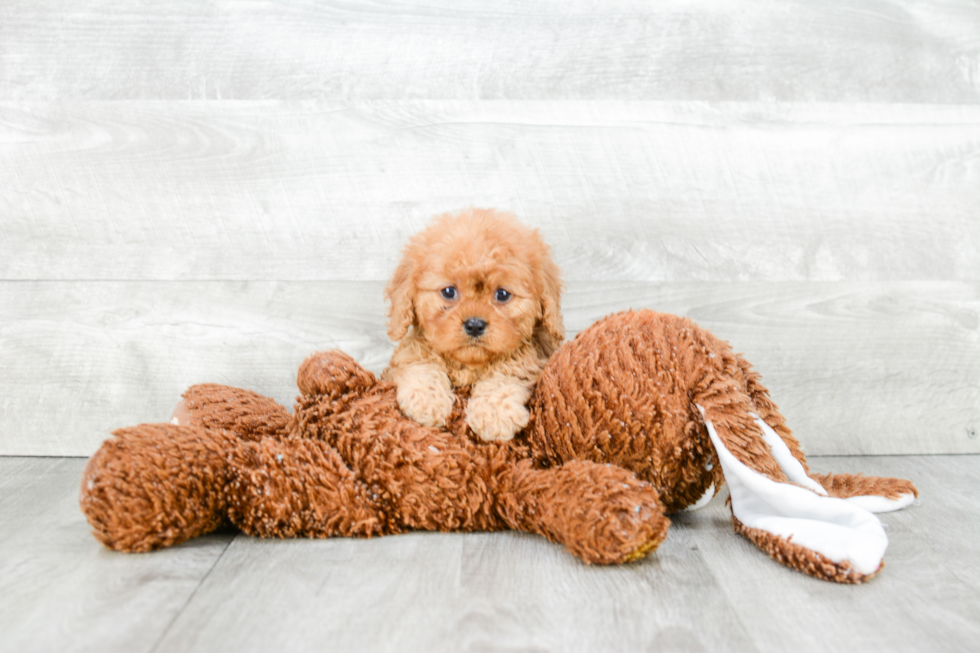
(660, 396)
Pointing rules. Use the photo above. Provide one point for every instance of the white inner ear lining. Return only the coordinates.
(839, 530)
(785, 459)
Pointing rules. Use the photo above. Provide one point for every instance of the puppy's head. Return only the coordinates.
(476, 285)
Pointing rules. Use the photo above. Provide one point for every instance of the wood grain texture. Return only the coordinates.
(867, 50)
(635, 191)
(60, 590)
(704, 589)
(856, 367)
(913, 605)
(211, 191)
(451, 592)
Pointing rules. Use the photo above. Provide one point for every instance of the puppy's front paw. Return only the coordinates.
(429, 406)
(497, 417)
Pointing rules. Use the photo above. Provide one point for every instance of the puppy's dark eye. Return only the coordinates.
(502, 295)
(449, 292)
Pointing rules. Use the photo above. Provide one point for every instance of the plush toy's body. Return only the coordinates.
(641, 415)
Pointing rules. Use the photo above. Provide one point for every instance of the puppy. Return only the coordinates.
(474, 302)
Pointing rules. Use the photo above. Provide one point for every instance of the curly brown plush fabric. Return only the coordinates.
(783, 550)
(348, 463)
(616, 440)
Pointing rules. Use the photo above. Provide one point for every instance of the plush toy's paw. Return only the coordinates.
(602, 514)
(620, 535)
(425, 397)
(156, 485)
(333, 373)
(223, 408)
(498, 415)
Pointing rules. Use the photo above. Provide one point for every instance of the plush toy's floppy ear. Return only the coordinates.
(400, 294)
(799, 523)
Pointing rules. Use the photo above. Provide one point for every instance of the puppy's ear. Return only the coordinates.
(551, 289)
(400, 294)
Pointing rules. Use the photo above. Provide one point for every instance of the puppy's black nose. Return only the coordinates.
(474, 327)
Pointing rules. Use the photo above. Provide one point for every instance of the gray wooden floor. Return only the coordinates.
(705, 589)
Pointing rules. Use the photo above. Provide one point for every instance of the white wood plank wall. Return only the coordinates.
(210, 191)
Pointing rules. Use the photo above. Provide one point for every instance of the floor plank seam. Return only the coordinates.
(190, 598)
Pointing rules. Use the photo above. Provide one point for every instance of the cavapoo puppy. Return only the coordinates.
(474, 302)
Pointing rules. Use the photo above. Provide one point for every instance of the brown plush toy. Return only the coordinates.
(640, 415)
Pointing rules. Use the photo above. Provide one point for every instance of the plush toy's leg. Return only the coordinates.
(218, 407)
(156, 485)
(301, 488)
(601, 513)
(796, 522)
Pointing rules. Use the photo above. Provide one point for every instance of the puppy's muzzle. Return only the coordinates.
(474, 327)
